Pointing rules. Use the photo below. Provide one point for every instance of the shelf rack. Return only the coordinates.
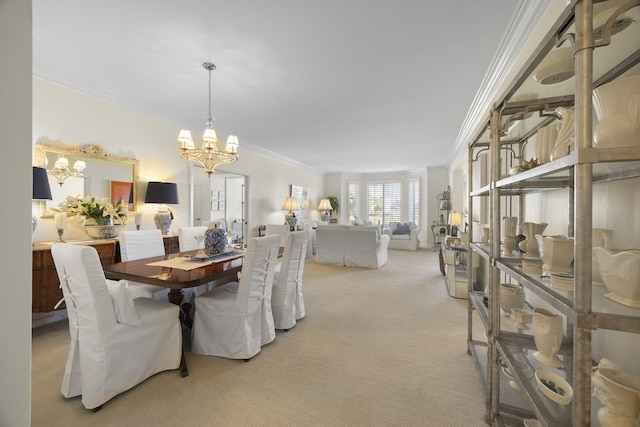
(586, 308)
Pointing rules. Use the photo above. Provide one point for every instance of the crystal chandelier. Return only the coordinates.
(209, 155)
(61, 169)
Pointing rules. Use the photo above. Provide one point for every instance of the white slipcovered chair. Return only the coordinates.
(281, 230)
(187, 235)
(403, 235)
(311, 246)
(235, 320)
(287, 302)
(116, 341)
(138, 245)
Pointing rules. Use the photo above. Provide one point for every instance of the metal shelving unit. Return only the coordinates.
(585, 309)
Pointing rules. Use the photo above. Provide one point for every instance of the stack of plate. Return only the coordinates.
(562, 281)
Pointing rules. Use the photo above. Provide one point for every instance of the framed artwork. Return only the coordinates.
(220, 206)
(124, 190)
(302, 196)
(214, 195)
(220, 195)
(214, 205)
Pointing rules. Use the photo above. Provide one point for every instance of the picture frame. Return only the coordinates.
(221, 195)
(214, 205)
(214, 195)
(220, 206)
(301, 194)
(122, 189)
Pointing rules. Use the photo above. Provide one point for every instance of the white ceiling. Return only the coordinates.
(355, 86)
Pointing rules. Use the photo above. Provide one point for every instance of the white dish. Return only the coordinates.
(554, 387)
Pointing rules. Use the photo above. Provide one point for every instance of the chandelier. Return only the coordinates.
(209, 155)
(61, 169)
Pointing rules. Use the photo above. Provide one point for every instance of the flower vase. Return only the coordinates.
(530, 244)
(566, 133)
(547, 335)
(619, 391)
(485, 235)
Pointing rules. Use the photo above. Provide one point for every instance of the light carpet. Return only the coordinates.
(377, 348)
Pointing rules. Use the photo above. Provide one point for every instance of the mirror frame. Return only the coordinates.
(91, 151)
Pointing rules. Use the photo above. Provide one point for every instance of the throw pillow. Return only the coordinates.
(122, 300)
(402, 228)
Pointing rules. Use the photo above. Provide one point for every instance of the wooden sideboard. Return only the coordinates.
(45, 286)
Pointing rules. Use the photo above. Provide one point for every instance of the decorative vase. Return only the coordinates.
(509, 244)
(291, 219)
(102, 231)
(510, 226)
(545, 141)
(556, 252)
(530, 244)
(547, 334)
(619, 391)
(565, 140)
(511, 296)
(215, 241)
(617, 108)
(485, 235)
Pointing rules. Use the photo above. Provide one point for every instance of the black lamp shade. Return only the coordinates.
(162, 192)
(41, 189)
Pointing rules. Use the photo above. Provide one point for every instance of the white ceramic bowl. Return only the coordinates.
(521, 316)
(620, 271)
(556, 67)
(554, 387)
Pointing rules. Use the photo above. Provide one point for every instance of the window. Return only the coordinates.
(414, 200)
(354, 200)
(383, 202)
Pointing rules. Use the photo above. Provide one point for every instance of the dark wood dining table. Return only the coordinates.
(216, 273)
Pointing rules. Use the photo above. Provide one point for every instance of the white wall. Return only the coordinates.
(78, 119)
(15, 174)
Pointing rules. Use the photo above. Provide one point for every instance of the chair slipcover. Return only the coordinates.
(311, 246)
(106, 357)
(407, 242)
(281, 230)
(186, 237)
(287, 302)
(229, 320)
(138, 245)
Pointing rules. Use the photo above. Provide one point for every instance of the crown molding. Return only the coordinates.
(280, 158)
(525, 19)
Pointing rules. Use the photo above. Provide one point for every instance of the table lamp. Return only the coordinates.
(455, 220)
(290, 204)
(41, 190)
(325, 208)
(163, 193)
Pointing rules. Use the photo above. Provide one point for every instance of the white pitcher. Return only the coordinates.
(547, 334)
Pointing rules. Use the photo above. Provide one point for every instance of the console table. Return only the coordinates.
(45, 286)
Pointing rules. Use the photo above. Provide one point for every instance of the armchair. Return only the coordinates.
(403, 235)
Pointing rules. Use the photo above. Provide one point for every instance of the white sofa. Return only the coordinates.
(351, 246)
(408, 241)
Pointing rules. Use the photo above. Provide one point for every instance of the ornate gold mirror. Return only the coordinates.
(104, 175)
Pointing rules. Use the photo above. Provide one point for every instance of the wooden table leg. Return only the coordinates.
(175, 297)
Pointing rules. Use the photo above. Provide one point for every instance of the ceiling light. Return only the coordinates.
(209, 155)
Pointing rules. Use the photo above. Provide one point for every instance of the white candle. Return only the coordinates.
(61, 220)
(138, 218)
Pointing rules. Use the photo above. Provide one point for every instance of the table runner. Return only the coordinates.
(186, 263)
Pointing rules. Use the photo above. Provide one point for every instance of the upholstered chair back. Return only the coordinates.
(141, 244)
(186, 237)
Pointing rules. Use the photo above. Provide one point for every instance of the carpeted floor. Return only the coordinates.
(377, 348)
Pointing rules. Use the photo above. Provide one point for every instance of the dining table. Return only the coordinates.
(179, 271)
